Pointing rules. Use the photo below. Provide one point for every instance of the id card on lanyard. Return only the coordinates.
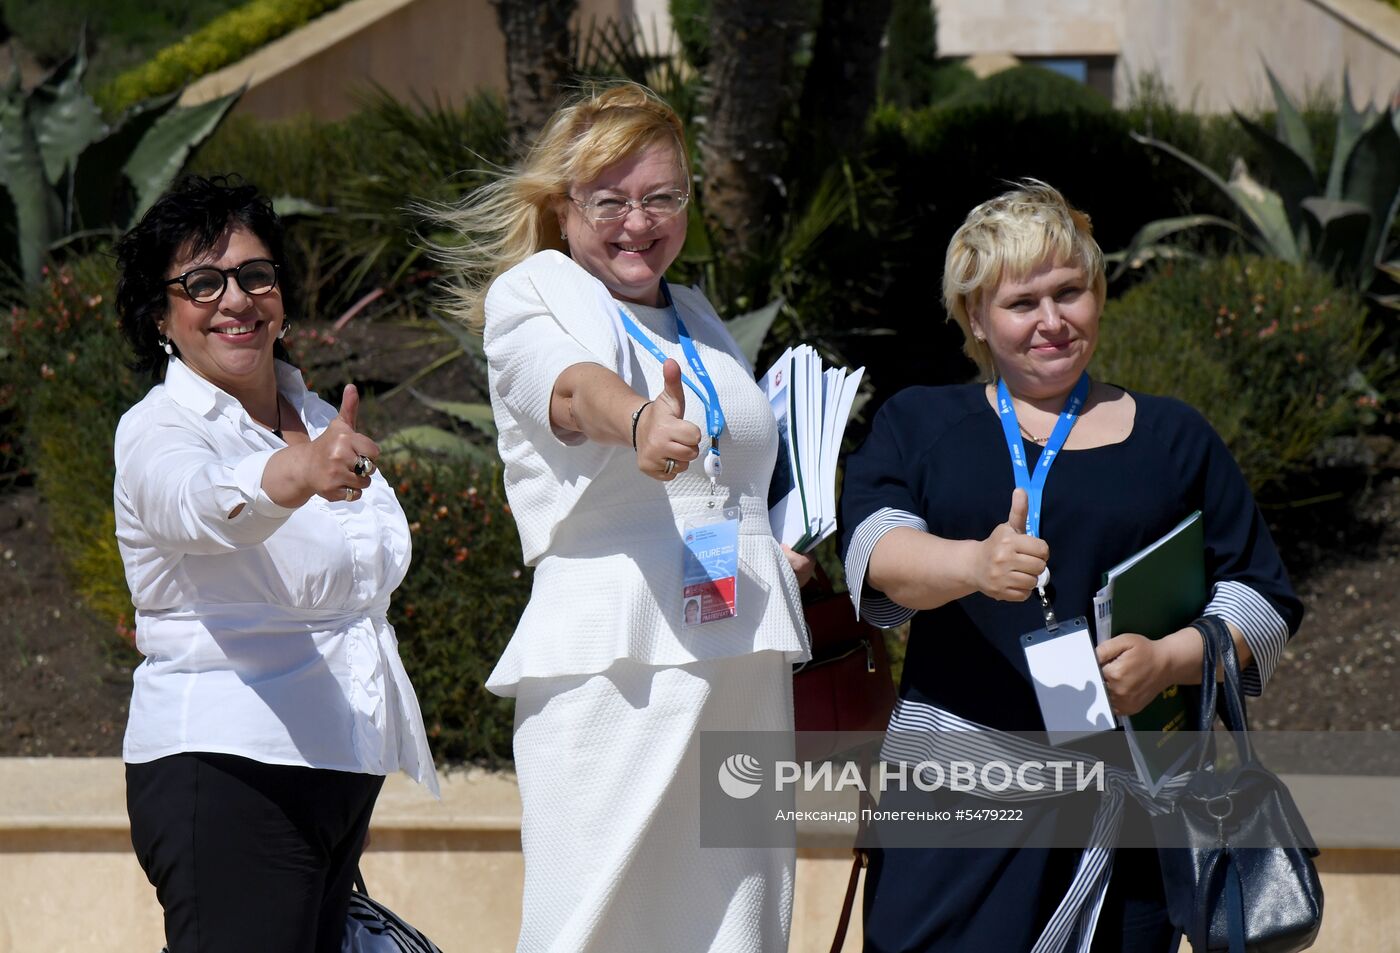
(709, 588)
(1059, 657)
(710, 562)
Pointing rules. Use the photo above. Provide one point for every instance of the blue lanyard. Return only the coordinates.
(1034, 485)
(709, 397)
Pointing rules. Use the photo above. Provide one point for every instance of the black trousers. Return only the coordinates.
(249, 856)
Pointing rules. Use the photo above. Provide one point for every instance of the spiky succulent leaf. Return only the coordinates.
(101, 194)
(476, 415)
(1340, 228)
(163, 151)
(1350, 125)
(37, 212)
(1151, 236)
(412, 441)
(1372, 178)
(1292, 130)
(750, 330)
(64, 117)
(1264, 208)
(1290, 175)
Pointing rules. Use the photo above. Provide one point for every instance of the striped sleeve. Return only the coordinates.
(1264, 630)
(875, 607)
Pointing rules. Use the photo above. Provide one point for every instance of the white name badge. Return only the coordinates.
(1068, 684)
(710, 573)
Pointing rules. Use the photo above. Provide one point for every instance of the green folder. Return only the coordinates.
(1156, 591)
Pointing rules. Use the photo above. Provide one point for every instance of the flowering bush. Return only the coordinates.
(459, 604)
(1271, 353)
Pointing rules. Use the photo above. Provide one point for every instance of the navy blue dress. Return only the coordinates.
(939, 453)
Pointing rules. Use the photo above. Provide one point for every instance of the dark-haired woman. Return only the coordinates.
(261, 548)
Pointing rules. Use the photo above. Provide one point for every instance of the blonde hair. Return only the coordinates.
(1008, 237)
(511, 218)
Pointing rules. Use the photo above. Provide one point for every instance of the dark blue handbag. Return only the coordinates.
(1236, 856)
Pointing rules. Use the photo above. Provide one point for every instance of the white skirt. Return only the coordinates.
(608, 766)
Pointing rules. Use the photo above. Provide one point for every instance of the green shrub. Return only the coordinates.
(1265, 349)
(225, 40)
(1029, 90)
(458, 606)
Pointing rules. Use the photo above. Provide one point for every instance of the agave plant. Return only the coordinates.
(1339, 217)
(66, 173)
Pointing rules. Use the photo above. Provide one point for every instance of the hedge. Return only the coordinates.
(225, 40)
(1268, 351)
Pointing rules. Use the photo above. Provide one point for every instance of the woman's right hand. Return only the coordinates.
(663, 433)
(1008, 561)
(325, 466)
(328, 467)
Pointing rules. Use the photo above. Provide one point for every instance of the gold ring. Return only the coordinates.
(670, 467)
(351, 494)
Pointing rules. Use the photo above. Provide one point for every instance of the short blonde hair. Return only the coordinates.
(511, 218)
(1009, 237)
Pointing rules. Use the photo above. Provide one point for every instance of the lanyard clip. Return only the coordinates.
(1047, 611)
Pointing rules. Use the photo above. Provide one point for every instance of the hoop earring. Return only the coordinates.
(286, 326)
(165, 345)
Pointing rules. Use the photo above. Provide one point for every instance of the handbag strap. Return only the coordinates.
(862, 860)
(862, 857)
(1218, 646)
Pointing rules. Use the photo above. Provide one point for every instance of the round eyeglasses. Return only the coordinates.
(257, 276)
(657, 207)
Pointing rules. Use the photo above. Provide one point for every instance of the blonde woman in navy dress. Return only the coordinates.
(936, 530)
(608, 452)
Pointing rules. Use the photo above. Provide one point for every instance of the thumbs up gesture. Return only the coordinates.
(1008, 561)
(341, 460)
(666, 441)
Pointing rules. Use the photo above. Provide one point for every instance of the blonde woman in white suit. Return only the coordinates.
(615, 395)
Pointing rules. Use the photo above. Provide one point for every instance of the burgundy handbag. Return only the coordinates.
(847, 684)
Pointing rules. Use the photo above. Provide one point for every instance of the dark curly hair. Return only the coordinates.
(187, 220)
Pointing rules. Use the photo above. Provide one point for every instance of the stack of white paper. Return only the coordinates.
(811, 405)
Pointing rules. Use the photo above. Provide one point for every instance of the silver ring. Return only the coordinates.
(670, 467)
(351, 494)
(362, 467)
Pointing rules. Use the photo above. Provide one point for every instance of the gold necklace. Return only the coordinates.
(1030, 436)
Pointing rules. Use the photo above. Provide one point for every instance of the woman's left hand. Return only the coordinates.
(803, 566)
(1135, 670)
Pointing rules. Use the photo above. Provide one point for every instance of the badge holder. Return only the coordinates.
(1065, 672)
(709, 580)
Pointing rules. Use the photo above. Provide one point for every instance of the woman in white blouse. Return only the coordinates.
(261, 548)
(612, 456)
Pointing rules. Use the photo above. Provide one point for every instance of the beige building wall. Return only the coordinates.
(447, 48)
(1210, 52)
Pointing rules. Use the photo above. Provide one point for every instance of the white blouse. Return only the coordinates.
(605, 538)
(265, 633)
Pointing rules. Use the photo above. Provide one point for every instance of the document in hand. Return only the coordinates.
(811, 405)
(1154, 592)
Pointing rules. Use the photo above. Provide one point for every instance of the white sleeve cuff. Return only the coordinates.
(876, 608)
(247, 480)
(1263, 629)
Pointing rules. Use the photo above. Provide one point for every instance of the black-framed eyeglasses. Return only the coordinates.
(256, 276)
(657, 207)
